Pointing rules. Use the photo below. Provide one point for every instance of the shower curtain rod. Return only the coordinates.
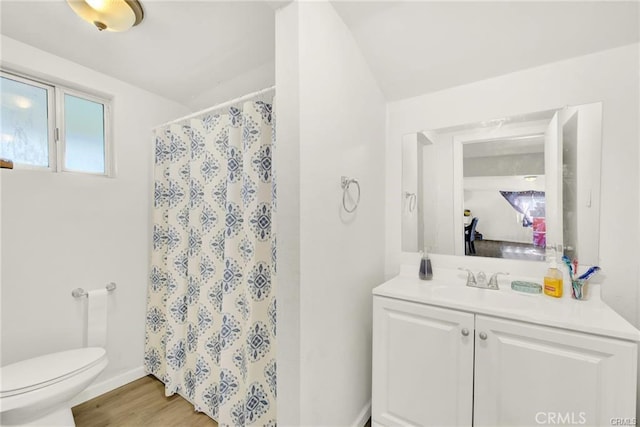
(219, 106)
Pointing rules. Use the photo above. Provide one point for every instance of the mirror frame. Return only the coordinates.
(588, 169)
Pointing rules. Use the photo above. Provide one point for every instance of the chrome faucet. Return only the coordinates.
(493, 282)
(481, 280)
(471, 279)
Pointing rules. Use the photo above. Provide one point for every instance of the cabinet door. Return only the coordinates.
(532, 375)
(422, 365)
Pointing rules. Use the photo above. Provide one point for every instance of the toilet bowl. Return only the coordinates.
(38, 391)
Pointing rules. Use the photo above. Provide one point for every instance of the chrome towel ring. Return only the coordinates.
(346, 183)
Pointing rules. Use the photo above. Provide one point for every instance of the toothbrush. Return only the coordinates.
(590, 272)
(567, 262)
(575, 266)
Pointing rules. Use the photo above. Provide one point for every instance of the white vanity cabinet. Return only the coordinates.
(435, 366)
(422, 364)
(530, 375)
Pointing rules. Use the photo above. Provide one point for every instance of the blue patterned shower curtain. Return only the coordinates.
(211, 307)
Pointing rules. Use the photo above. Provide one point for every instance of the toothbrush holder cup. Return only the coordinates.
(579, 289)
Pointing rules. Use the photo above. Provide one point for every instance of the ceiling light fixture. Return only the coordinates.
(110, 15)
(530, 178)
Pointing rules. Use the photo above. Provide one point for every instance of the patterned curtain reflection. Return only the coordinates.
(211, 310)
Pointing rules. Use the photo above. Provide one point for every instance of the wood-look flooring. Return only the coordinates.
(510, 250)
(139, 403)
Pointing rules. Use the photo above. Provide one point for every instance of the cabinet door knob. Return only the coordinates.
(465, 332)
(483, 335)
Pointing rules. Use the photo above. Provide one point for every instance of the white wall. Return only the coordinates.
(249, 81)
(341, 132)
(61, 231)
(286, 160)
(611, 77)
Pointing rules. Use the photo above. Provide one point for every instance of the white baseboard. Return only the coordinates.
(363, 416)
(107, 385)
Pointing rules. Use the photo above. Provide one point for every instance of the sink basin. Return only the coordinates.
(469, 295)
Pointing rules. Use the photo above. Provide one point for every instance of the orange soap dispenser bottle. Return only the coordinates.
(553, 280)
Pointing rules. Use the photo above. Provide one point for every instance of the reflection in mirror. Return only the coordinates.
(413, 192)
(504, 203)
(509, 188)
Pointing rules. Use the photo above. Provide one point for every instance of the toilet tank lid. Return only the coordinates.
(40, 370)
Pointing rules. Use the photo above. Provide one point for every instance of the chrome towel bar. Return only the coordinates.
(79, 292)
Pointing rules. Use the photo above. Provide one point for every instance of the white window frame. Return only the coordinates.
(56, 125)
(51, 123)
(61, 140)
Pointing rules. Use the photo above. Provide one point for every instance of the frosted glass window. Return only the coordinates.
(47, 126)
(24, 130)
(84, 134)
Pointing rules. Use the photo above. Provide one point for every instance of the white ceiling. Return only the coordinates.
(192, 52)
(416, 47)
(201, 52)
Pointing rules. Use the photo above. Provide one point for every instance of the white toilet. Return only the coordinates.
(38, 391)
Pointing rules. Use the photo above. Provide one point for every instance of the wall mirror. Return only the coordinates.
(510, 187)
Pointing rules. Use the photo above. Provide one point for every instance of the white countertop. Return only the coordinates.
(448, 289)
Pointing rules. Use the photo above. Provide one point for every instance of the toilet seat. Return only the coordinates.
(39, 372)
